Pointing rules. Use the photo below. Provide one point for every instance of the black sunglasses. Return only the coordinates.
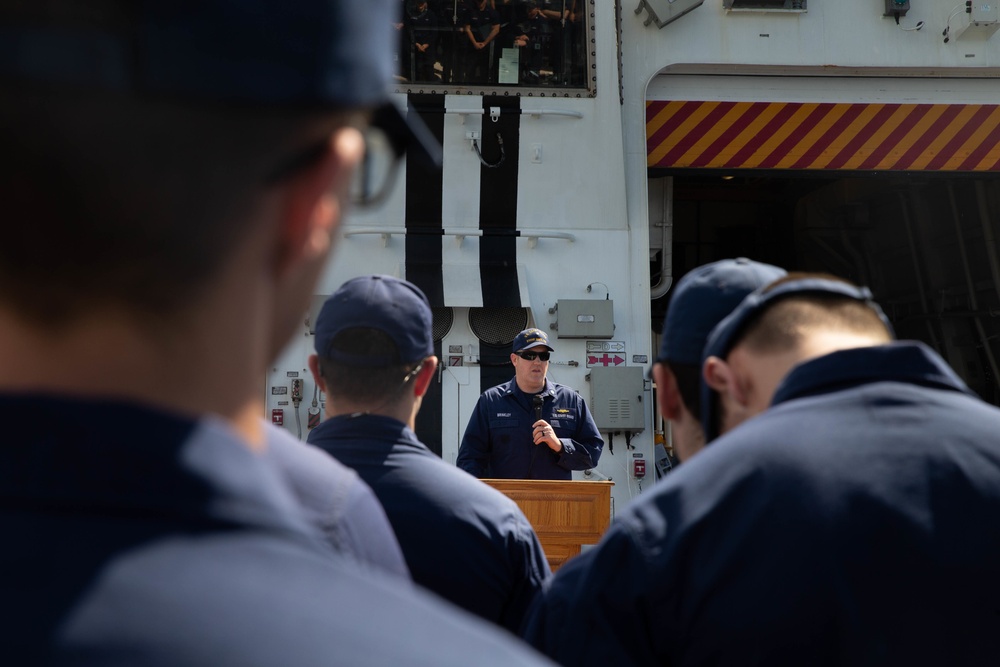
(531, 356)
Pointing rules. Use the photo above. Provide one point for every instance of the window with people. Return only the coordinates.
(525, 43)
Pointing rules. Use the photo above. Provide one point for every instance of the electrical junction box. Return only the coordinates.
(896, 7)
(585, 318)
(662, 12)
(616, 398)
(984, 21)
(985, 12)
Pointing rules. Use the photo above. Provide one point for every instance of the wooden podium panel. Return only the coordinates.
(564, 514)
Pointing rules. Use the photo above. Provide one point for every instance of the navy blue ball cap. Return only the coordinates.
(327, 52)
(263, 53)
(702, 298)
(393, 306)
(724, 337)
(531, 338)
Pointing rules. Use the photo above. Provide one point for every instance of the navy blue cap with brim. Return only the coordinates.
(304, 53)
(391, 305)
(724, 336)
(702, 298)
(529, 339)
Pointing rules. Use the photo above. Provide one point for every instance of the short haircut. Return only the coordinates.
(364, 385)
(114, 200)
(783, 324)
(688, 377)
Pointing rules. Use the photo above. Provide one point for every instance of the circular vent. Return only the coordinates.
(498, 326)
(443, 319)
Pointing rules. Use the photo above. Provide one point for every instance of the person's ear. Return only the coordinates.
(667, 393)
(312, 200)
(423, 380)
(722, 379)
(316, 373)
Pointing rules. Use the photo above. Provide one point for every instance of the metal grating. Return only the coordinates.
(498, 326)
(443, 319)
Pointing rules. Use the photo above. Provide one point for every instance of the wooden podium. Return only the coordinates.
(564, 514)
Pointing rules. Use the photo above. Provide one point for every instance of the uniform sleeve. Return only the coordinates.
(533, 567)
(595, 611)
(473, 453)
(583, 450)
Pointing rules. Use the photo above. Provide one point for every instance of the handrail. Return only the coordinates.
(387, 233)
(523, 112)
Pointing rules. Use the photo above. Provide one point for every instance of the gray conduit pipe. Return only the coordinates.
(666, 243)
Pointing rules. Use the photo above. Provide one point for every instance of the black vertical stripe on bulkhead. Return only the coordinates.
(498, 204)
(424, 197)
(498, 220)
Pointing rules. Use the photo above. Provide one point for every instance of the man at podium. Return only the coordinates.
(530, 427)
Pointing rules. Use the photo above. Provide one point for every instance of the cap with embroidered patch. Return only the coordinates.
(531, 338)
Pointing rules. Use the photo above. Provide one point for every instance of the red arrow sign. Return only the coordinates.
(605, 360)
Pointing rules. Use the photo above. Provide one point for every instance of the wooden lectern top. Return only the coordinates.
(565, 514)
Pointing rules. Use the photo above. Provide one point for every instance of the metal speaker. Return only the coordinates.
(498, 326)
(444, 317)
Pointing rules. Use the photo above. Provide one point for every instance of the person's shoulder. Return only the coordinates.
(303, 460)
(564, 391)
(498, 390)
(252, 599)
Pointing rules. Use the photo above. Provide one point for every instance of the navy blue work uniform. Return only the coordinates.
(462, 539)
(422, 28)
(334, 499)
(134, 537)
(498, 441)
(855, 522)
(477, 64)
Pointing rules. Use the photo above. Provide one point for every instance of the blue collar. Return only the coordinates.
(376, 428)
(910, 362)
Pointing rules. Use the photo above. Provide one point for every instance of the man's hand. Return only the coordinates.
(544, 433)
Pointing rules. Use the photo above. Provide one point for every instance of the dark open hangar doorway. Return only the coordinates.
(925, 237)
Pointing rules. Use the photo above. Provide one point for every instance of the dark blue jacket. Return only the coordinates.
(334, 499)
(856, 522)
(498, 441)
(133, 537)
(462, 539)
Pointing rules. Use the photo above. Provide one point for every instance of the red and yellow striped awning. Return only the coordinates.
(791, 135)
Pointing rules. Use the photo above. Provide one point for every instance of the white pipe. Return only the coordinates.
(666, 243)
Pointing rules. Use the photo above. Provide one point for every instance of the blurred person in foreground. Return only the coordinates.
(173, 176)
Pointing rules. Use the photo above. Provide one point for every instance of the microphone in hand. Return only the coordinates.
(538, 401)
